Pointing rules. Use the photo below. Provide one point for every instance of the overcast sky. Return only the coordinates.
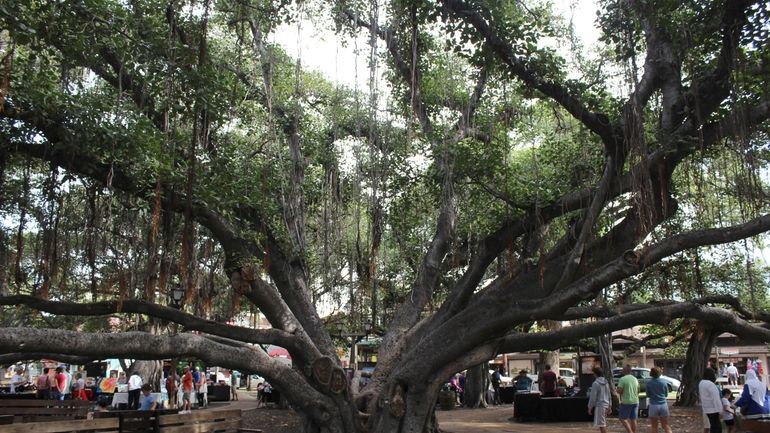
(324, 51)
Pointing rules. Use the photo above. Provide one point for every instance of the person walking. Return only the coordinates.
(710, 400)
(134, 390)
(657, 392)
(628, 388)
(233, 385)
(171, 388)
(187, 389)
(495, 379)
(732, 374)
(599, 400)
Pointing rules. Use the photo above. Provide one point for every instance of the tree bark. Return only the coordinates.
(150, 371)
(604, 343)
(3, 263)
(698, 354)
(476, 385)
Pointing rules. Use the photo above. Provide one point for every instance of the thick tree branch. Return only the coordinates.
(596, 122)
(661, 315)
(141, 345)
(707, 92)
(12, 358)
(189, 321)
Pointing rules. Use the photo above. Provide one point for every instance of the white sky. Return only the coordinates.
(324, 51)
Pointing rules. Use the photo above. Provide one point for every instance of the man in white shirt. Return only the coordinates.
(134, 390)
(67, 384)
(17, 380)
(732, 374)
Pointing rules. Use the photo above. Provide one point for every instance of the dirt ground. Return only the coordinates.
(498, 419)
(495, 419)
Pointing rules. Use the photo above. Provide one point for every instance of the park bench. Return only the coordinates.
(755, 425)
(102, 425)
(45, 410)
(133, 421)
(204, 421)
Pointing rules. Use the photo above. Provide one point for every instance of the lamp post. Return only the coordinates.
(177, 293)
(352, 338)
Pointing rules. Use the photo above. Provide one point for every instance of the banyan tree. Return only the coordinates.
(483, 174)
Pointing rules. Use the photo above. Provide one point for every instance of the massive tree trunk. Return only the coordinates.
(476, 385)
(150, 371)
(604, 343)
(698, 354)
(263, 230)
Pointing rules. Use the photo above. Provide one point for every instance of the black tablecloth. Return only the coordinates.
(19, 396)
(507, 394)
(525, 406)
(564, 409)
(219, 393)
(531, 406)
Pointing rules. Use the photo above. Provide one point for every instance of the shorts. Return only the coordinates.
(729, 422)
(186, 396)
(600, 416)
(706, 422)
(628, 411)
(658, 410)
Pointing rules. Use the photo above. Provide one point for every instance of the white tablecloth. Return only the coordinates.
(122, 397)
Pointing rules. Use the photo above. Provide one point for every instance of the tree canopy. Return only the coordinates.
(490, 176)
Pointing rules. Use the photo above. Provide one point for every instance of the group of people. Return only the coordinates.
(61, 385)
(264, 394)
(716, 404)
(549, 384)
(191, 380)
(627, 388)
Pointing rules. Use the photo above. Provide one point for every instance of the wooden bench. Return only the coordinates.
(204, 421)
(760, 425)
(102, 425)
(133, 421)
(45, 410)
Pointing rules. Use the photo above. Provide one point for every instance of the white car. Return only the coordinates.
(643, 374)
(568, 375)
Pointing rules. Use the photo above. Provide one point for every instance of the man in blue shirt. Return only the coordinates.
(196, 375)
(148, 400)
(523, 382)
